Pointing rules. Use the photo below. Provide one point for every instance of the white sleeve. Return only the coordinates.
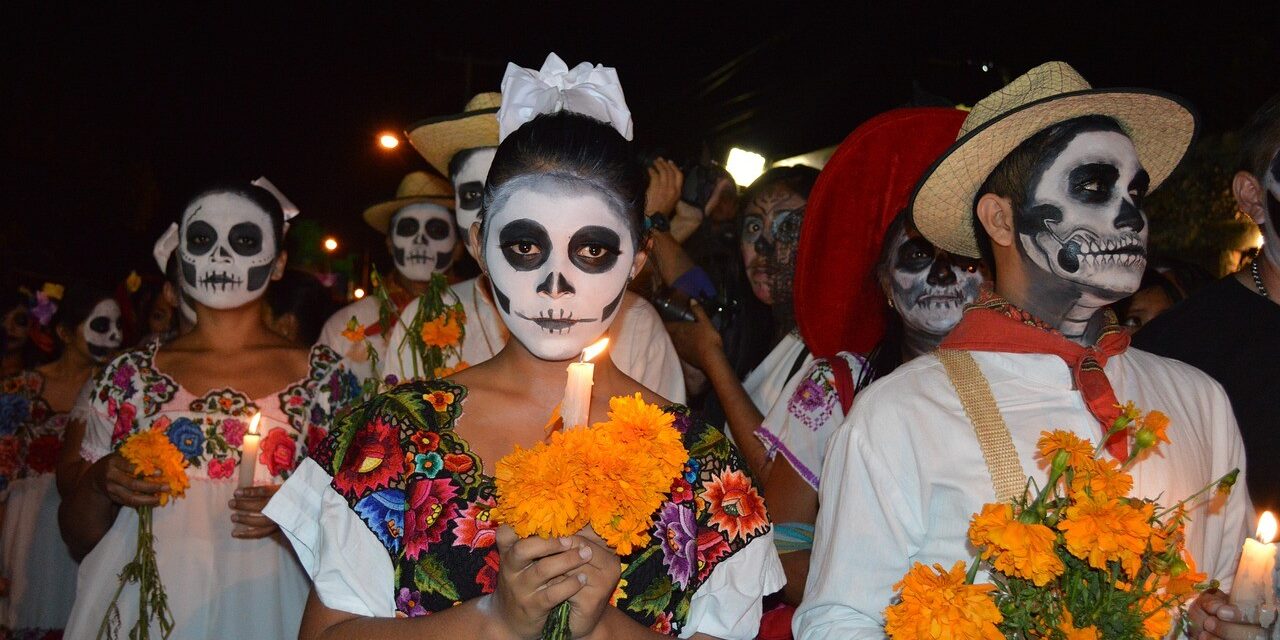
(866, 534)
(331, 332)
(645, 351)
(729, 604)
(1227, 527)
(98, 428)
(349, 568)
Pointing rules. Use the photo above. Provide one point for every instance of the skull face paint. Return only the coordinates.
(468, 184)
(1083, 220)
(930, 287)
(101, 330)
(559, 260)
(1270, 238)
(422, 240)
(227, 250)
(763, 216)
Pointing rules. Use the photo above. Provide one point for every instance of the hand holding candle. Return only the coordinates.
(1253, 591)
(575, 409)
(249, 452)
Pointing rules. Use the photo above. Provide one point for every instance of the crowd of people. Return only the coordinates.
(833, 344)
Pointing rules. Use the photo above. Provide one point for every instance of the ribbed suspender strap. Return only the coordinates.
(993, 435)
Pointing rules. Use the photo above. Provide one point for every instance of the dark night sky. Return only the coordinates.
(115, 115)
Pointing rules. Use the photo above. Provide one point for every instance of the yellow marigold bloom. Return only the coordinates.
(541, 490)
(155, 458)
(354, 332)
(443, 331)
(1022, 550)
(1153, 428)
(1070, 631)
(1102, 478)
(1158, 621)
(937, 604)
(1100, 529)
(1079, 451)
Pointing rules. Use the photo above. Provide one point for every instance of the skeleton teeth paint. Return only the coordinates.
(422, 240)
(559, 260)
(227, 250)
(468, 184)
(1083, 221)
(102, 330)
(930, 287)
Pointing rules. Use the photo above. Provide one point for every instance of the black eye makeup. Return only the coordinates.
(595, 249)
(1138, 187)
(469, 194)
(915, 255)
(1092, 183)
(246, 239)
(200, 237)
(407, 227)
(525, 244)
(438, 229)
(752, 227)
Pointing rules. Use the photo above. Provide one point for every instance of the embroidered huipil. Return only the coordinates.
(904, 473)
(391, 517)
(40, 571)
(218, 586)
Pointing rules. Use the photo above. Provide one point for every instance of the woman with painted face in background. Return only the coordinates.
(560, 237)
(224, 572)
(35, 405)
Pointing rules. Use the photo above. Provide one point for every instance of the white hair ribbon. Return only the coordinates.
(591, 90)
(164, 246)
(290, 210)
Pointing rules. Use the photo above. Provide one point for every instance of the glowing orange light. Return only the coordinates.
(253, 424)
(388, 141)
(358, 293)
(1267, 528)
(330, 244)
(594, 350)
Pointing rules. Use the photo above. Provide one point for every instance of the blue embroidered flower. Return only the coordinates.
(14, 410)
(383, 512)
(187, 437)
(691, 469)
(428, 464)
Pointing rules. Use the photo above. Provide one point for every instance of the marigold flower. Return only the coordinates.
(155, 458)
(1101, 529)
(1157, 423)
(354, 331)
(1022, 550)
(1079, 451)
(1158, 621)
(1071, 632)
(1102, 478)
(936, 603)
(442, 331)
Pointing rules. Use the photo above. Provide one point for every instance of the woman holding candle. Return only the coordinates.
(402, 488)
(224, 572)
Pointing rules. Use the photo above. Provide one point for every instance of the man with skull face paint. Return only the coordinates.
(224, 570)
(560, 237)
(1049, 174)
(422, 239)
(462, 146)
(35, 407)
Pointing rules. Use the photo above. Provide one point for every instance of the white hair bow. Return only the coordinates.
(591, 90)
(168, 241)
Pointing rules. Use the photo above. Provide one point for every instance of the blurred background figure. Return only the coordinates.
(13, 338)
(297, 306)
(1165, 283)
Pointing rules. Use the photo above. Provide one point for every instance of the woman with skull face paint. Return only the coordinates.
(224, 572)
(35, 407)
(560, 237)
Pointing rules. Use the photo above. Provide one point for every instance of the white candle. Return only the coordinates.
(575, 409)
(1253, 591)
(249, 452)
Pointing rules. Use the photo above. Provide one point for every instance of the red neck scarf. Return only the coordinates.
(994, 324)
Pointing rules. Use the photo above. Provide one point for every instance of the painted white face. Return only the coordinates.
(559, 261)
(102, 330)
(1083, 220)
(228, 250)
(468, 184)
(1270, 238)
(422, 240)
(929, 286)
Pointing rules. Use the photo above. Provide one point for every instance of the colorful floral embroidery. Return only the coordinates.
(30, 431)
(421, 491)
(815, 397)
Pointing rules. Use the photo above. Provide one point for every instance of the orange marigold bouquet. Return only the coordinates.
(1078, 559)
(612, 476)
(156, 459)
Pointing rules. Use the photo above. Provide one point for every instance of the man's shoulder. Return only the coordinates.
(1164, 370)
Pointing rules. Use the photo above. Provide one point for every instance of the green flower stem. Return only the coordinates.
(557, 625)
(1162, 514)
(637, 562)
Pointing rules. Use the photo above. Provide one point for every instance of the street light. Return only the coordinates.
(358, 293)
(388, 140)
(330, 244)
(745, 166)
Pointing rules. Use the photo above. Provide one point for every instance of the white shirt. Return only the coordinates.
(765, 384)
(904, 473)
(640, 346)
(355, 355)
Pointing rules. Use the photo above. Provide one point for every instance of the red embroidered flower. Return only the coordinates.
(315, 435)
(427, 514)
(458, 462)
(124, 414)
(662, 624)
(233, 431)
(278, 451)
(487, 577)
(711, 547)
(736, 507)
(221, 468)
(681, 490)
(425, 441)
(372, 461)
(161, 424)
(8, 456)
(474, 528)
(42, 453)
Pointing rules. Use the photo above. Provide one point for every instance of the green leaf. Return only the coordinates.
(711, 443)
(430, 577)
(654, 600)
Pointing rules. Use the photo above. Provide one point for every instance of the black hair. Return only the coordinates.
(572, 149)
(1260, 138)
(1009, 179)
(260, 197)
(75, 306)
(896, 226)
(303, 295)
(798, 179)
(460, 158)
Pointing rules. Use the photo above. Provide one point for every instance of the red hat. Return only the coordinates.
(839, 305)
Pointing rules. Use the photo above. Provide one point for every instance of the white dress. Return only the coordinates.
(218, 586)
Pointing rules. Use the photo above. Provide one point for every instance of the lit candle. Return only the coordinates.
(1254, 591)
(249, 452)
(575, 409)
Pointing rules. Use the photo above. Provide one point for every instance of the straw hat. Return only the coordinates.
(438, 139)
(1161, 126)
(415, 188)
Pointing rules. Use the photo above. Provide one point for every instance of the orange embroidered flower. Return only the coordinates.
(736, 507)
(1079, 451)
(155, 458)
(1101, 529)
(937, 604)
(440, 400)
(1023, 550)
(442, 331)
(1102, 478)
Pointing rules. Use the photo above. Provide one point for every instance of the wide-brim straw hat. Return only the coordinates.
(1162, 127)
(415, 188)
(439, 139)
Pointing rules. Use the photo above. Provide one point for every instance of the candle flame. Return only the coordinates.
(594, 350)
(253, 424)
(1267, 528)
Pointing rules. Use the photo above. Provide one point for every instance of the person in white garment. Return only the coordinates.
(462, 147)
(423, 241)
(1046, 179)
(412, 550)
